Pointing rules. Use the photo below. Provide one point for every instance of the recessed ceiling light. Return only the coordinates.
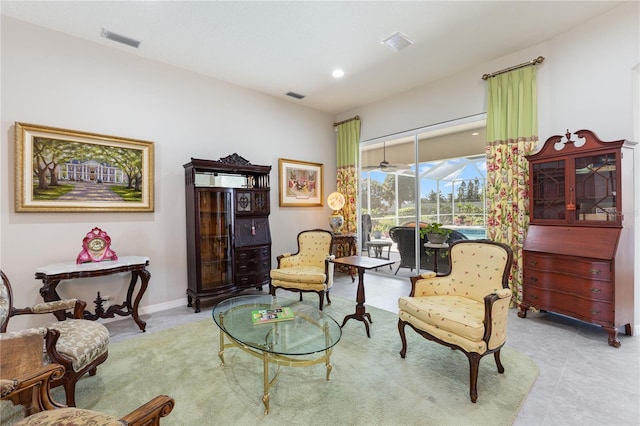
(475, 134)
(397, 41)
(337, 73)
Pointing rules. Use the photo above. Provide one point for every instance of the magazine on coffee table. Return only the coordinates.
(264, 316)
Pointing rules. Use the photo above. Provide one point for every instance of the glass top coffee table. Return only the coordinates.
(305, 340)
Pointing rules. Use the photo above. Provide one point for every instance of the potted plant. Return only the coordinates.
(435, 233)
(377, 232)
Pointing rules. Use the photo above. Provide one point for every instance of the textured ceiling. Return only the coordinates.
(277, 47)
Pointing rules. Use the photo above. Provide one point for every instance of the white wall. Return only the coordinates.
(52, 79)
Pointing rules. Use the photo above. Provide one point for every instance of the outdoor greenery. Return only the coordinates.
(466, 208)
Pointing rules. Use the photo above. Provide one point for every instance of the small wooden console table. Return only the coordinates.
(51, 275)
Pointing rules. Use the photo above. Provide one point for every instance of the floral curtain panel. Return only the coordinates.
(512, 133)
(348, 138)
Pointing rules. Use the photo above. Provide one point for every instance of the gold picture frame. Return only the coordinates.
(300, 183)
(60, 170)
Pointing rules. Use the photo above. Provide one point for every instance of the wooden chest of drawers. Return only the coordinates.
(569, 272)
(252, 266)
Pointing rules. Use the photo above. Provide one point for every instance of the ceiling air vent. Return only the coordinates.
(120, 38)
(397, 41)
(295, 95)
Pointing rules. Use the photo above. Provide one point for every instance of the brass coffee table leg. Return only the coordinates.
(267, 385)
(327, 353)
(221, 351)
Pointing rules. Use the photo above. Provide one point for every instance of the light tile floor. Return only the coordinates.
(582, 380)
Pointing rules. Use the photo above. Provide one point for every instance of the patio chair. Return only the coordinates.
(404, 237)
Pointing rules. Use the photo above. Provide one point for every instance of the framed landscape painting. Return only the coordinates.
(300, 183)
(59, 170)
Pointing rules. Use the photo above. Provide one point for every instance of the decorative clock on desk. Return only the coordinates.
(96, 247)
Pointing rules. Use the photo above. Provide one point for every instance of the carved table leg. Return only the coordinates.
(144, 282)
(361, 314)
(49, 294)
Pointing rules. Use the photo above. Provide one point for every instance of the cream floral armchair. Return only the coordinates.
(77, 344)
(308, 270)
(465, 309)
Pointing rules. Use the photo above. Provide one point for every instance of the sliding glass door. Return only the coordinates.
(435, 174)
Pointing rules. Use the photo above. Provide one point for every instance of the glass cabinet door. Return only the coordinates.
(215, 239)
(595, 183)
(548, 191)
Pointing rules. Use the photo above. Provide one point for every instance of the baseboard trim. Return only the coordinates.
(144, 310)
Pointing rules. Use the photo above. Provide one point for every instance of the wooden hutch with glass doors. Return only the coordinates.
(228, 236)
(579, 248)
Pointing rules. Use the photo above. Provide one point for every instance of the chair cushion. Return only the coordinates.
(4, 303)
(300, 274)
(70, 417)
(459, 315)
(81, 340)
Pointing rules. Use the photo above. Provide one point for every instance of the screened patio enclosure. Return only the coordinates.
(451, 192)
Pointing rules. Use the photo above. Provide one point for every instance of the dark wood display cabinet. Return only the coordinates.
(579, 248)
(228, 236)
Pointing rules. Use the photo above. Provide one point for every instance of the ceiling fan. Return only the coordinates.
(384, 165)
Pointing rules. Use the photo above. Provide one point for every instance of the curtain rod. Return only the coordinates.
(357, 117)
(535, 61)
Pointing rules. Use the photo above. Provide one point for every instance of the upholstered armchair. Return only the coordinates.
(77, 344)
(25, 380)
(307, 270)
(465, 309)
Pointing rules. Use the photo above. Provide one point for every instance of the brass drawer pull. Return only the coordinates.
(595, 272)
(595, 311)
(596, 290)
(534, 262)
(533, 296)
(533, 279)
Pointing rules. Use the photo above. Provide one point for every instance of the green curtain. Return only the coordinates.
(512, 129)
(347, 143)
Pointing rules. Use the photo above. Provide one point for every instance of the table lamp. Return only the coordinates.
(336, 201)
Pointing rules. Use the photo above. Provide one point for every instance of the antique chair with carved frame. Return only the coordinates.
(77, 344)
(26, 381)
(307, 270)
(465, 309)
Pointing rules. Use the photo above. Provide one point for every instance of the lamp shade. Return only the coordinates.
(336, 201)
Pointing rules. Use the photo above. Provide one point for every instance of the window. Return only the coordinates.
(449, 177)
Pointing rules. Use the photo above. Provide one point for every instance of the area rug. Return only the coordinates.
(370, 384)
